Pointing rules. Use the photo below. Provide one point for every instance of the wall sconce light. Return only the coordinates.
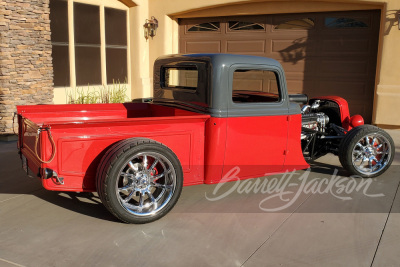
(150, 28)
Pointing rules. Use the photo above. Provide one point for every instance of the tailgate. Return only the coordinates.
(34, 141)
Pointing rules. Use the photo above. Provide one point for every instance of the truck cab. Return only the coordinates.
(248, 102)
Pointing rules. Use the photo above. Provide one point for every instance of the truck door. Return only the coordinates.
(257, 123)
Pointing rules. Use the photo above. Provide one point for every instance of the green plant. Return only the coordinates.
(115, 93)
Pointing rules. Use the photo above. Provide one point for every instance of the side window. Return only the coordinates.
(87, 44)
(255, 86)
(180, 77)
(59, 42)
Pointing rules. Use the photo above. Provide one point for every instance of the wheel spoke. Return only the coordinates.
(129, 197)
(124, 174)
(154, 164)
(156, 177)
(373, 141)
(359, 144)
(366, 140)
(141, 201)
(145, 162)
(359, 157)
(377, 163)
(134, 166)
(370, 164)
(163, 186)
(152, 199)
(125, 188)
(383, 152)
(363, 160)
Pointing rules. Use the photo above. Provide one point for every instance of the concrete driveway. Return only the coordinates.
(318, 218)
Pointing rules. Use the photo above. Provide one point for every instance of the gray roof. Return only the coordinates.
(217, 88)
(230, 59)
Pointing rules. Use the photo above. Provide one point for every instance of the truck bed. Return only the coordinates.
(82, 134)
(92, 113)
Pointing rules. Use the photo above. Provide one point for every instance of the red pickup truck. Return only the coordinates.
(210, 113)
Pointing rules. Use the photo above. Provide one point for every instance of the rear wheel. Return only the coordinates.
(139, 180)
(366, 151)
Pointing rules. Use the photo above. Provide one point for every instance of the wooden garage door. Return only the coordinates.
(322, 53)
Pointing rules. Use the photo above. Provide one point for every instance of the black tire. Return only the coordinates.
(139, 180)
(366, 151)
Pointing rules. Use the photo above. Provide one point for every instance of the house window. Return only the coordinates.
(205, 27)
(296, 24)
(59, 41)
(255, 86)
(88, 44)
(245, 26)
(116, 45)
(332, 22)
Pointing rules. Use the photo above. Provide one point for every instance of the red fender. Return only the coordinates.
(347, 122)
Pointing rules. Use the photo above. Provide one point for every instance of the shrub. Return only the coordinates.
(115, 93)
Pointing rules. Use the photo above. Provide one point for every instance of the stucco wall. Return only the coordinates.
(26, 71)
(387, 97)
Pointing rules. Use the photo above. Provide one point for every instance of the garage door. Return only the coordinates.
(322, 53)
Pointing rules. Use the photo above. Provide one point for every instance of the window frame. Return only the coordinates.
(258, 108)
(278, 82)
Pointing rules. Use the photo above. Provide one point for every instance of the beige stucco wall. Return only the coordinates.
(387, 95)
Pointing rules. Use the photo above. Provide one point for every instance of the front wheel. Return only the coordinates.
(366, 151)
(139, 180)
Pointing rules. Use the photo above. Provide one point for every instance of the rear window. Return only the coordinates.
(181, 77)
(183, 82)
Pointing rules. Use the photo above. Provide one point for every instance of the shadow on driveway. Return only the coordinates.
(14, 182)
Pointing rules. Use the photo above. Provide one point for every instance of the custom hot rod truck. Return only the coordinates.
(210, 113)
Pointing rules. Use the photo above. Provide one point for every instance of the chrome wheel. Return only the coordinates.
(366, 151)
(371, 153)
(139, 180)
(146, 183)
